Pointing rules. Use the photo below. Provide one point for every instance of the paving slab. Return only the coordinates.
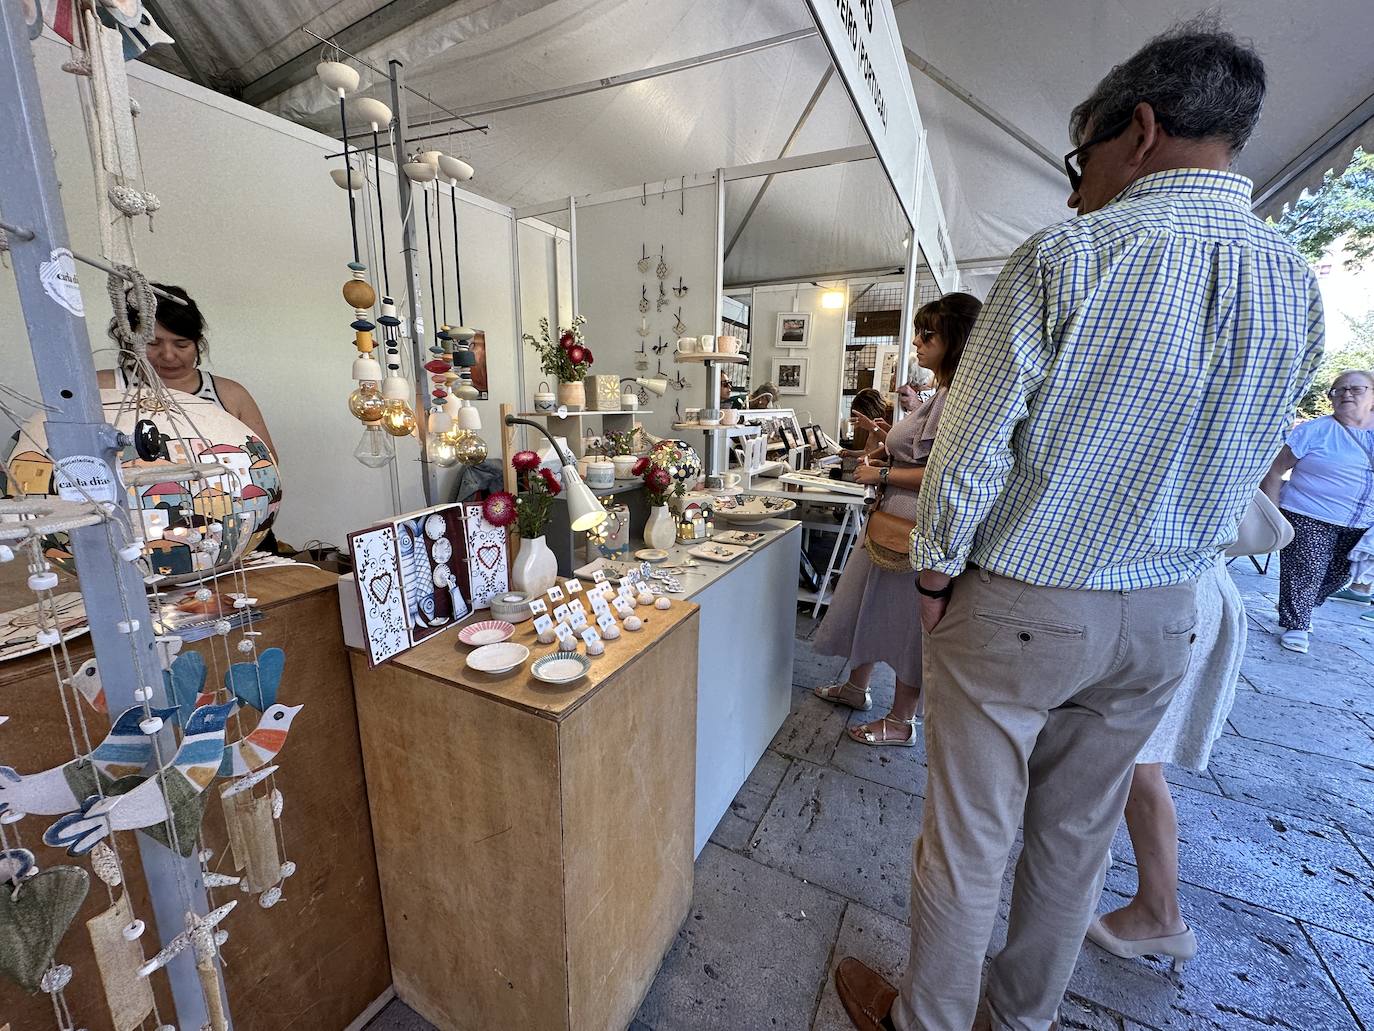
(812, 670)
(876, 939)
(736, 827)
(1306, 870)
(1254, 969)
(1302, 726)
(397, 1016)
(811, 730)
(1350, 689)
(894, 765)
(751, 953)
(1351, 963)
(1296, 783)
(849, 835)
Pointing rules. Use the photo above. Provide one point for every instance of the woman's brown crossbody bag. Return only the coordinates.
(887, 539)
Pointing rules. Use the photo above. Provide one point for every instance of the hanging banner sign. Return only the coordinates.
(867, 50)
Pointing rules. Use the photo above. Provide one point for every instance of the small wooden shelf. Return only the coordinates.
(710, 357)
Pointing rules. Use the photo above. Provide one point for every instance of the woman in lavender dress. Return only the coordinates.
(873, 614)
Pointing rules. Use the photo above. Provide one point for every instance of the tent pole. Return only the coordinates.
(409, 250)
(717, 443)
(76, 425)
(572, 252)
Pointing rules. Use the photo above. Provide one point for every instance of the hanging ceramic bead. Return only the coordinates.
(129, 201)
(662, 270)
(644, 262)
(643, 299)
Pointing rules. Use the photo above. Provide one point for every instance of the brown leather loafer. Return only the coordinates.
(866, 995)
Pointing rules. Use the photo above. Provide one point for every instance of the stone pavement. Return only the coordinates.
(1277, 855)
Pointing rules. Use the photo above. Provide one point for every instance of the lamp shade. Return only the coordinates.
(337, 76)
(373, 111)
(654, 384)
(342, 179)
(455, 169)
(584, 511)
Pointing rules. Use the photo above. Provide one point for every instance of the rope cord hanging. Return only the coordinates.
(381, 211)
(457, 265)
(348, 166)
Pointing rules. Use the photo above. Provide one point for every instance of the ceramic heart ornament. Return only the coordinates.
(34, 919)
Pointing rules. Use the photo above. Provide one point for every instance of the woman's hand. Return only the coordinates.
(867, 474)
(863, 422)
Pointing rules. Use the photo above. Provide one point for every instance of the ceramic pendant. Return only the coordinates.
(33, 920)
(278, 803)
(106, 865)
(645, 262)
(261, 746)
(662, 298)
(118, 957)
(679, 327)
(662, 270)
(56, 979)
(255, 684)
(257, 839)
(643, 299)
(270, 897)
(288, 868)
(219, 880)
(128, 201)
(680, 290)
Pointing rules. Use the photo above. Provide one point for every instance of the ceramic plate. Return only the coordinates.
(753, 510)
(561, 668)
(740, 538)
(651, 555)
(434, 527)
(489, 631)
(719, 552)
(441, 550)
(498, 658)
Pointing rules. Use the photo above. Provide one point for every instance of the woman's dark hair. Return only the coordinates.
(871, 404)
(185, 320)
(952, 317)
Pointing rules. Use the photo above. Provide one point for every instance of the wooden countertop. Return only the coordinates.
(443, 659)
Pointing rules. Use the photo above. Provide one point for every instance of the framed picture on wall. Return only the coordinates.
(885, 371)
(790, 375)
(794, 329)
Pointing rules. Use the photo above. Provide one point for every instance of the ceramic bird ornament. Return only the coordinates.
(262, 745)
(126, 750)
(173, 794)
(255, 684)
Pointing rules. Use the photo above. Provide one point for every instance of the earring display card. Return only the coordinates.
(378, 579)
(486, 552)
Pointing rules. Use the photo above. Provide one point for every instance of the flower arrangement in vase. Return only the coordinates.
(567, 359)
(535, 568)
(660, 530)
(623, 451)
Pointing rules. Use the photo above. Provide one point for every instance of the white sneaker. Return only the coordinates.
(1295, 640)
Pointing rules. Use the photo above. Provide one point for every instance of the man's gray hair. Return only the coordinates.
(1201, 82)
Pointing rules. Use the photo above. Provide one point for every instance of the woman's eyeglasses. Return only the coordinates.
(1073, 163)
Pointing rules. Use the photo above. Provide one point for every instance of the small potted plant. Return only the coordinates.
(535, 568)
(660, 531)
(566, 359)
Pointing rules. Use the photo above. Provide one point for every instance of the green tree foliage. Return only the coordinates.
(1359, 355)
(1343, 206)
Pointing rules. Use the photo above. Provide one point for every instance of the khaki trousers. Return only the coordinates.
(1038, 700)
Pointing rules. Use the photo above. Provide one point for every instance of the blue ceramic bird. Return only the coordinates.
(173, 794)
(126, 750)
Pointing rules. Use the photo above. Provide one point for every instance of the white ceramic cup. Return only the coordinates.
(686, 345)
(729, 416)
(691, 414)
(709, 417)
(730, 480)
(708, 343)
(625, 466)
(727, 344)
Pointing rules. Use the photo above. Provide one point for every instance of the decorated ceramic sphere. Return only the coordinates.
(191, 527)
(679, 459)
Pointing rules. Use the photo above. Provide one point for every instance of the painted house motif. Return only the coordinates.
(255, 500)
(235, 459)
(166, 494)
(169, 557)
(264, 474)
(257, 450)
(212, 503)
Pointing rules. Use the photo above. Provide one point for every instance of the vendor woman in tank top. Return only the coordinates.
(175, 353)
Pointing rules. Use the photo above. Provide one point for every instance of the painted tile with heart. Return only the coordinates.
(377, 571)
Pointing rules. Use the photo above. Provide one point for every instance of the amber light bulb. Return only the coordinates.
(397, 419)
(441, 451)
(366, 402)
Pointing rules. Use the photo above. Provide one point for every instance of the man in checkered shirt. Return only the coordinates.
(1131, 376)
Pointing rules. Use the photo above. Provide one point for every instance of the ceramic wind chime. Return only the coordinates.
(381, 400)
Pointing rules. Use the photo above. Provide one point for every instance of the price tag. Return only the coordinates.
(605, 621)
(561, 613)
(538, 607)
(543, 623)
(556, 593)
(573, 586)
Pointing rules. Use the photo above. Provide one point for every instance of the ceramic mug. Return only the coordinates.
(708, 343)
(709, 417)
(727, 345)
(731, 480)
(686, 345)
(600, 475)
(691, 415)
(729, 417)
(629, 401)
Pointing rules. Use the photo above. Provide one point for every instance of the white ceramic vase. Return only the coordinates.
(535, 568)
(661, 529)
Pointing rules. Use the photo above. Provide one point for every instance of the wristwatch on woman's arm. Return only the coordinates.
(882, 474)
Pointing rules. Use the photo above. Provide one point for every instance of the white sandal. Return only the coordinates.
(868, 737)
(836, 693)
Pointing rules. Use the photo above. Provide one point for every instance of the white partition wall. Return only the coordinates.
(253, 227)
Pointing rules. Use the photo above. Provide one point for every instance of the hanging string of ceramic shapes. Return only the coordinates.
(463, 419)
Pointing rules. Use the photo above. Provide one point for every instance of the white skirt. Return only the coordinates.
(1197, 713)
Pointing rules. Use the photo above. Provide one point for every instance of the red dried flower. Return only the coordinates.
(577, 355)
(567, 339)
(499, 508)
(551, 481)
(588, 352)
(525, 461)
(641, 466)
(658, 479)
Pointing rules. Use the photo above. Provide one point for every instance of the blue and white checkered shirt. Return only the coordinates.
(1125, 388)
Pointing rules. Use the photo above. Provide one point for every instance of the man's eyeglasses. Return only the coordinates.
(1352, 391)
(1074, 167)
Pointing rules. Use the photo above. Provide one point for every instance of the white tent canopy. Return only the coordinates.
(1027, 63)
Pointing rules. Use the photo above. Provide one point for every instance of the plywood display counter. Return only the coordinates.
(318, 958)
(535, 842)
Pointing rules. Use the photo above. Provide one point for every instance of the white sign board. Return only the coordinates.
(867, 51)
(933, 234)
